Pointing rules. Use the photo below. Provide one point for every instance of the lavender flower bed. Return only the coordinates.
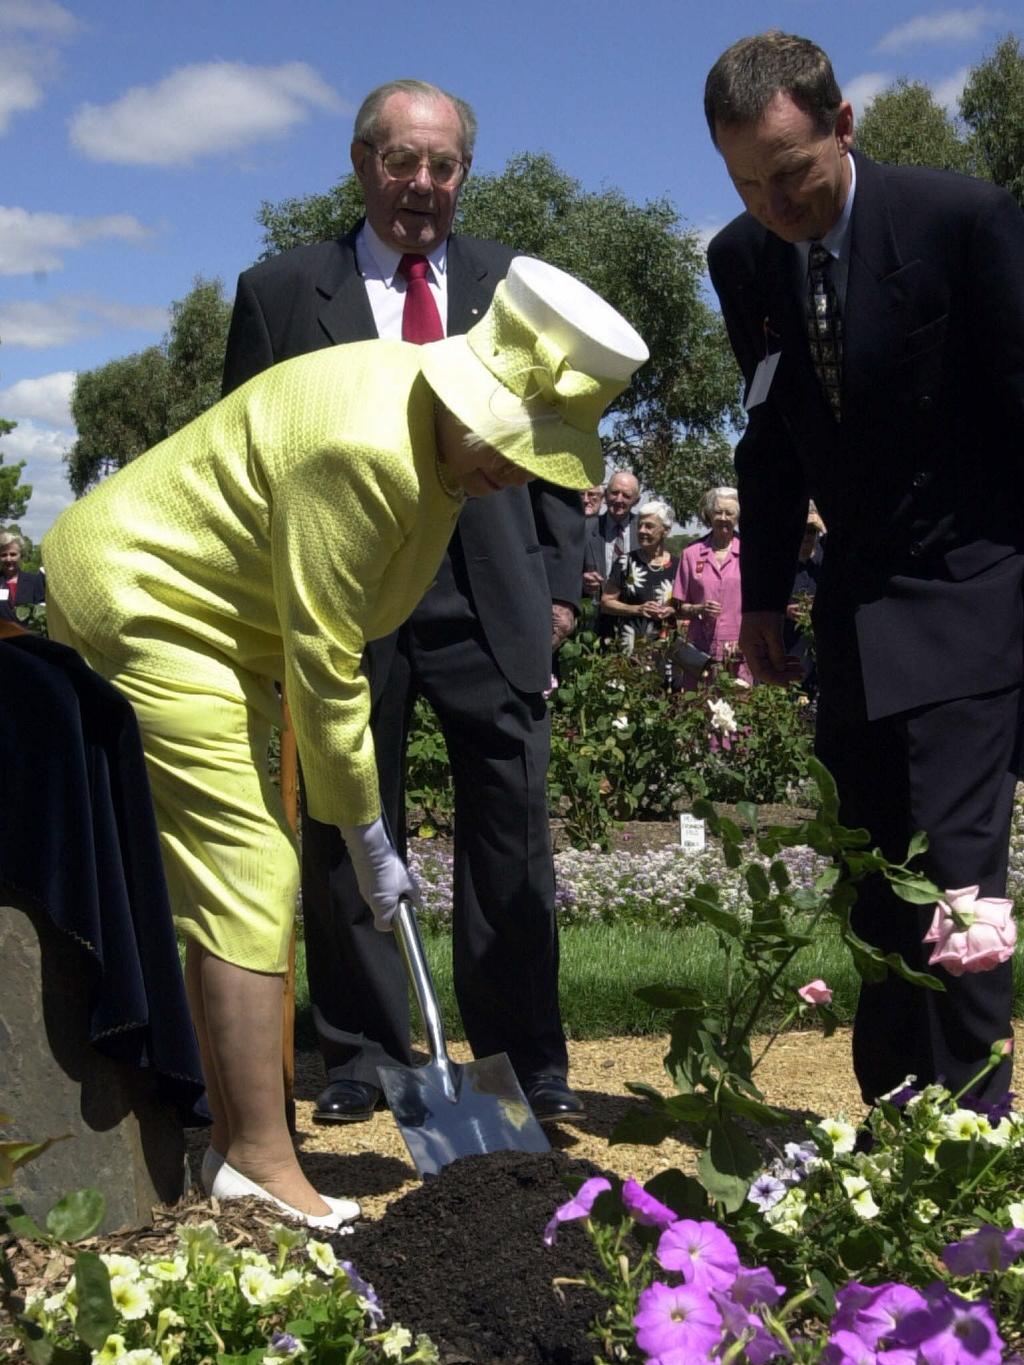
(648, 887)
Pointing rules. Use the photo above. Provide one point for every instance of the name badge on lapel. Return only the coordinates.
(762, 381)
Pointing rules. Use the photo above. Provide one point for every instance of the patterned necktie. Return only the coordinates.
(421, 322)
(825, 326)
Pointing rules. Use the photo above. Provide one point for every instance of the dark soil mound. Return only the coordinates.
(461, 1258)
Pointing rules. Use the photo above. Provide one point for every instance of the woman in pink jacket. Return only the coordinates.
(707, 586)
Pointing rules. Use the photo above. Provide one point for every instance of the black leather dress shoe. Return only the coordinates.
(347, 1102)
(552, 1101)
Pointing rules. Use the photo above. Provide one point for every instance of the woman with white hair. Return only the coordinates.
(707, 587)
(18, 587)
(639, 588)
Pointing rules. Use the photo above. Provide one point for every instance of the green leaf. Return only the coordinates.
(747, 811)
(715, 916)
(645, 1092)
(644, 1126)
(896, 964)
(15, 1154)
(828, 793)
(97, 1317)
(77, 1215)
(918, 845)
(751, 1109)
(862, 1247)
(19, 1222)
(825, 1296)
(757, 882)
(728, 1165)
(685, 1196)
(779, 874)
(693, 1108)
(912, 887)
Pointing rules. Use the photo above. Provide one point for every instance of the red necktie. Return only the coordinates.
(421, 321)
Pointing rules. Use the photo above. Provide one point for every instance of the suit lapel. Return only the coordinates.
(878, 292)
(469, 289)
(345, 313)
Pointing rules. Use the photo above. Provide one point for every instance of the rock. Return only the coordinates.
(126, 1142)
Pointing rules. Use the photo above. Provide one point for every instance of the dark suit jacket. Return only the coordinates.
(594, 551)
(31, 591)
(523, 547)
(920, 484)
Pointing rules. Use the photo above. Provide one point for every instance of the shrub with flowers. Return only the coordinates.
(679, 1292)
(209, 1301)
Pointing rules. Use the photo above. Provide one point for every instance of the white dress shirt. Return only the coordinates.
(385, 288)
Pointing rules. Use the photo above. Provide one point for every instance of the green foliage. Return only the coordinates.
(670, 425)
(625, 748)
(71, 1219)
(14, 495)
(428, 790)
(992, 105)
(709, 1058)
(126, 406)
(904, 126)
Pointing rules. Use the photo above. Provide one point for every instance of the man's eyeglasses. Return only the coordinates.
(403, 164)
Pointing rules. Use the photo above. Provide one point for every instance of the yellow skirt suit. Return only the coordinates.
(268, 540)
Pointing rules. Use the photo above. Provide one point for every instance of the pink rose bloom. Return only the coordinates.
(815, 993)
(971, 933)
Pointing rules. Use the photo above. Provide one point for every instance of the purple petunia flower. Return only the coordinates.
(874, 1313)
(988, 1249)
(756, 1286)
(284, 1344)
(847, 1348)
(578, 1206)
(760, 1346)
(950, 1330)
(644, 1208)
(766, 1191)
(678, 1317)
(364, 1289)
(994, 1110)
(701, 1252)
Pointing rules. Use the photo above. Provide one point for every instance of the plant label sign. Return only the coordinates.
(692, 835)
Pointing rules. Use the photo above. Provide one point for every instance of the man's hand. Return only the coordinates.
(593, 582)
(563, 623)
(761, 644)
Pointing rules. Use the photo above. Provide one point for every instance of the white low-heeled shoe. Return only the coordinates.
(212, 1162)
(231, 1184)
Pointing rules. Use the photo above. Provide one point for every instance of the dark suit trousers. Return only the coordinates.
(950, 770)
(505, 943)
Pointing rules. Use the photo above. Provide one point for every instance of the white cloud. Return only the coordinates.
(948, 92)
(29, 33)
(201, 110)
(36, 16)
(33, 242)
(947, 26)
(706, 230)
(19, 91)
(862, 89)
(42, 448)
(45, 399)
(58, 322)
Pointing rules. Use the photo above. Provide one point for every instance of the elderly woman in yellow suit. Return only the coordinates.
(303, 515)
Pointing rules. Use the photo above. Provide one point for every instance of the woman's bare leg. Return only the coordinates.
(238, 1022)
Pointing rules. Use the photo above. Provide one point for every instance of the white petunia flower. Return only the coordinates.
(787, 1214)
(322, 1255)
(842, 1136)
(111, 1351)
(395, 1340)
(621, 721)
(169, 1268)
(960, 1126)
(132, 1298)
(257, 1285)
(127, 1267)
(924, 1212)
(143, 1356)
(1016, 1213)
(859, 1193)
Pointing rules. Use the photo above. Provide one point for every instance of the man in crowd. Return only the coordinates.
(877, 314)
(613, 536)
(478, 647)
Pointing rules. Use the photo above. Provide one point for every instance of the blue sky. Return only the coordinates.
(138, 139)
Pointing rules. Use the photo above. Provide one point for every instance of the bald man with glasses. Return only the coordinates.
(478, 647)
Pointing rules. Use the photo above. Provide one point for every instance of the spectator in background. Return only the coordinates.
(591, 499)
(798, 642)
(707, 588)
(18, 587)
(614, 537)
(593, 557)
(638, 594)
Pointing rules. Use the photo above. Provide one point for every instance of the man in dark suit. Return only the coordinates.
(877, 314)
(478, 647)
(612, 535)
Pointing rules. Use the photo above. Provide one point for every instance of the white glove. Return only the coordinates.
(380, 873)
